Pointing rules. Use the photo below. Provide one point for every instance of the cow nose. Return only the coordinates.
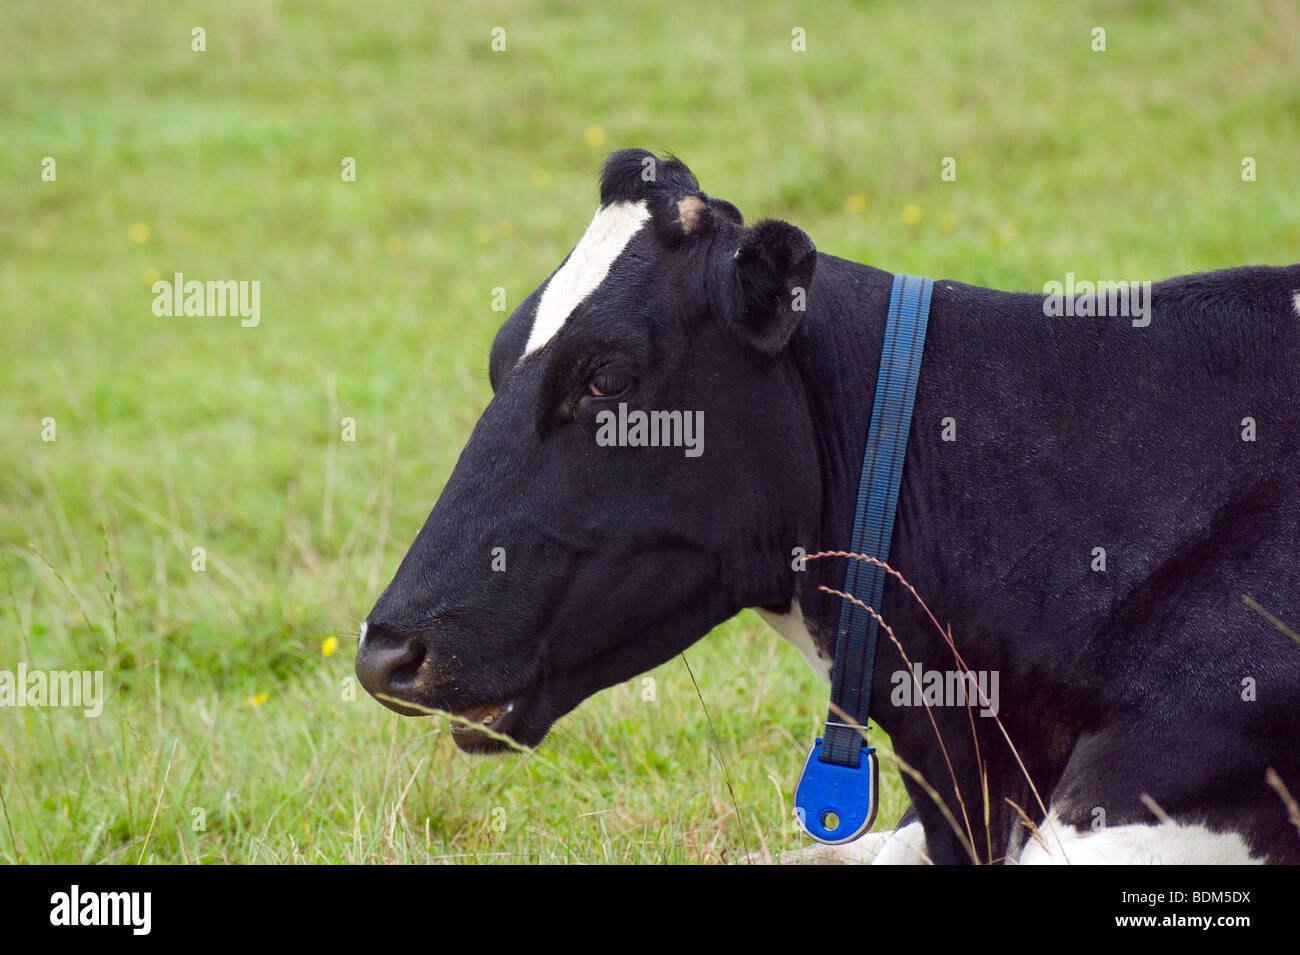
(387, 659)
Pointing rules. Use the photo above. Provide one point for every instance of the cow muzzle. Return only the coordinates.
(398, 669)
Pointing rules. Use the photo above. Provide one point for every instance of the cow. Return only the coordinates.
(1101, 512)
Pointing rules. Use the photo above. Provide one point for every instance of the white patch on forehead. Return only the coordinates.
(586, 267)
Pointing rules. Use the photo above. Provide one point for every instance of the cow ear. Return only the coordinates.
(768, 288)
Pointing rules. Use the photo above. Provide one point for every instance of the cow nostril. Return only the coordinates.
(404, 673)
(388, 659)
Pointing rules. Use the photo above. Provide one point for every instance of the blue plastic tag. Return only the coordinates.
(837, 804)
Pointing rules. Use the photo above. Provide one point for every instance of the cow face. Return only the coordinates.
(642, 473)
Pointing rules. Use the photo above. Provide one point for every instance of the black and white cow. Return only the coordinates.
(1172, 450)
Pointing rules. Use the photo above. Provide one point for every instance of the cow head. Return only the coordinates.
(567, 552)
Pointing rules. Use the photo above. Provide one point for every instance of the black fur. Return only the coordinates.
(773, 273)
(624, 178)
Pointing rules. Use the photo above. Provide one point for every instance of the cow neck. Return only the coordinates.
(836, 798)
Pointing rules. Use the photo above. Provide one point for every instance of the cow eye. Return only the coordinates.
(607, 386)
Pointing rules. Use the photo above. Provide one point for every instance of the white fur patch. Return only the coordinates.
(905, 846)
(1167, 843)
(1296, 302)
(361, 639)
(792, 628)
(610, 231)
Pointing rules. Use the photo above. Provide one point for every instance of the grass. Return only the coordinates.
(229, 734)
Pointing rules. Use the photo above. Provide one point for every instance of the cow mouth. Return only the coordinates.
(479, 729)
(487, 715)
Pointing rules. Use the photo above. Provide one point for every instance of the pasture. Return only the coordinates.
(204, 510)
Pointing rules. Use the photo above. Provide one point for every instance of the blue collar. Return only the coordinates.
(837, 795)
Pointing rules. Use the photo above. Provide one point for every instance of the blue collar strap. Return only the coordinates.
(837, 795)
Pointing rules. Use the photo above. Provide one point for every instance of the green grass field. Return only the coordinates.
(229, 733)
